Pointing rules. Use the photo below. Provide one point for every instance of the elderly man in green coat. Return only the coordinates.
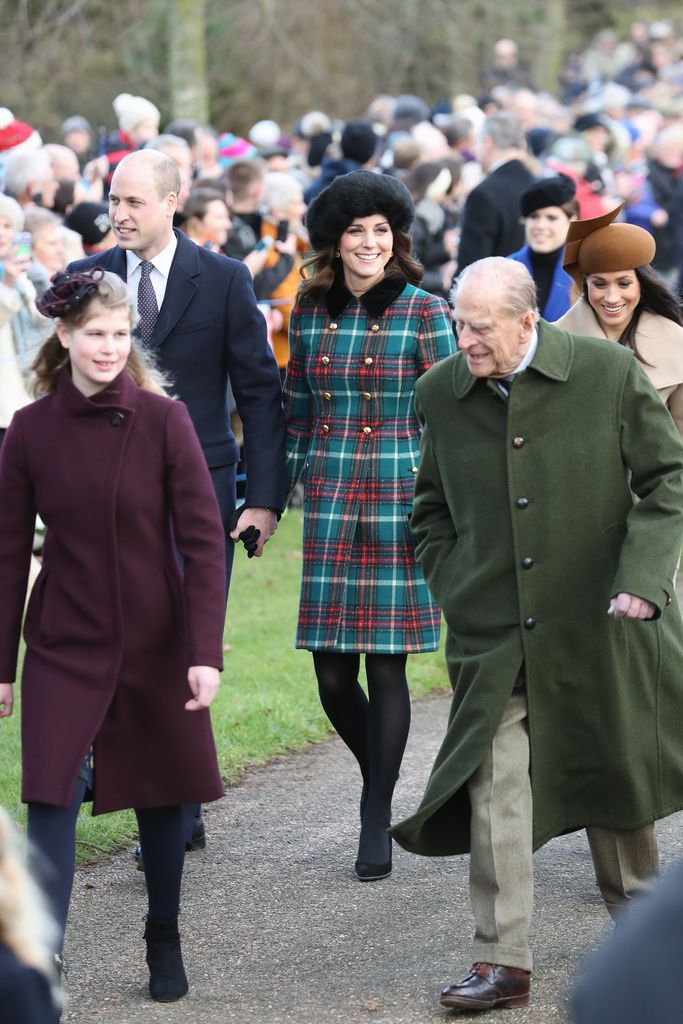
(549, 516)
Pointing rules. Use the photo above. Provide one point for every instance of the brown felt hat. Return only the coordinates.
(597, 246)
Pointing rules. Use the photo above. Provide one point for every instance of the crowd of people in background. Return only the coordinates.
(614, 126)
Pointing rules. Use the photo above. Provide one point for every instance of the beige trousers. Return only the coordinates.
(501, 872)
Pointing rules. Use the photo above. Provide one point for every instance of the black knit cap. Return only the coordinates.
(358, 194)
(547, 192)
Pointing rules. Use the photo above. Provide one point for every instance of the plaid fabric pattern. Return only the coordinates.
(354, 439)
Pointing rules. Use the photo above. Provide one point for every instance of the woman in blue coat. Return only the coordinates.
(361, 334)
(548, 206)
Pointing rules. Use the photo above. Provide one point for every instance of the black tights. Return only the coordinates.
(374, 728)
(52, 834)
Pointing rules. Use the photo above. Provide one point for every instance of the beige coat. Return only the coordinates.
(660, 343)
(13, 394)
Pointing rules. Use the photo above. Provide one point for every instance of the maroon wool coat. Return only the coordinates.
(111, 626)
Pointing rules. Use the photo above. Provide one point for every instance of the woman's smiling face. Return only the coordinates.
(613, 297)
(365, 249)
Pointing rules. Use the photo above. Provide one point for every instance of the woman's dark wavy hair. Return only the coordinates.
(655, 297)
(321, 269)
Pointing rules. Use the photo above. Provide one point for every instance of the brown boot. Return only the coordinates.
(488, 985)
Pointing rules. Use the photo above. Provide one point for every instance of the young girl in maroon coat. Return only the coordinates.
(123, 649)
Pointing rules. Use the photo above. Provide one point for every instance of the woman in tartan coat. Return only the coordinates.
(361, 334)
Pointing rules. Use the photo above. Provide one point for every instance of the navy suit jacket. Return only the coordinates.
(208, 328)
(491, 218)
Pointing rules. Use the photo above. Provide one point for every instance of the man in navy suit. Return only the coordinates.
(491, 224)
(208, 327)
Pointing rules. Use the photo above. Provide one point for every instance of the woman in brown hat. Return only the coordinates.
(625, 301)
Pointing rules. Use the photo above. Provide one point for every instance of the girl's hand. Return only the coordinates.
(203, 680)
(6, 699)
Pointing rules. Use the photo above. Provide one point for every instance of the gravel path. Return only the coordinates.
(277, 930)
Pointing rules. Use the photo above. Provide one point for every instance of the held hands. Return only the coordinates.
(628, 606)
(203, 680)
(255, 527)
(6, 699)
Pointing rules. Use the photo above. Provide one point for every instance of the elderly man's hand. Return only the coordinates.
(629, 606)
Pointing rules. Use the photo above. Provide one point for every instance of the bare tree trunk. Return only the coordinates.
(187, 60)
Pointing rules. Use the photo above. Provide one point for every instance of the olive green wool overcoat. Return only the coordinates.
(527, 523)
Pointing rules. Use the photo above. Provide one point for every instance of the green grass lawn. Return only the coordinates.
(268, 701)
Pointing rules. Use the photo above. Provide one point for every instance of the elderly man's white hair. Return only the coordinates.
(508, 280)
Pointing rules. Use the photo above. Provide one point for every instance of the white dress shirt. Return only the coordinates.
(158, 275)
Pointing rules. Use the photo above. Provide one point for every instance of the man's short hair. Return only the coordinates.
(243, 175)
(280, 189)
(504, 130)
(165, 142)
(24, 169)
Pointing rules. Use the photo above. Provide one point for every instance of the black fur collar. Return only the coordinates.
(375, 299)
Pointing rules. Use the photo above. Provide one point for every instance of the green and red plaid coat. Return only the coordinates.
(353, 438)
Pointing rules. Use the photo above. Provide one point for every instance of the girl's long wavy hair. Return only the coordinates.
(655, 297)
(102, 293)
(321, 269)
(26, 925)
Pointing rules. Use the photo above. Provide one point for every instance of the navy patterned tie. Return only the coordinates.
(147, 303)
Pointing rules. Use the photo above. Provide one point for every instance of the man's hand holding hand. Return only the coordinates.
(262, 519)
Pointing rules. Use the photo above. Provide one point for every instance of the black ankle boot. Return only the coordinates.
(167, 980)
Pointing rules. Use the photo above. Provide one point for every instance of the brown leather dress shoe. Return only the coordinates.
(487, 986)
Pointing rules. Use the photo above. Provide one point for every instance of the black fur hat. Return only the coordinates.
(358, 194)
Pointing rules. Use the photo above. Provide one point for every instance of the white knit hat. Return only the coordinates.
(133, 110)
(265, 134)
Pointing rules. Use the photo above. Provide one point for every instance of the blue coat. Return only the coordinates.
(559, 298)
(209, 327)
(24, 993)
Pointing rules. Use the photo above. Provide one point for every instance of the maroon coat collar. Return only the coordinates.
(120, 394)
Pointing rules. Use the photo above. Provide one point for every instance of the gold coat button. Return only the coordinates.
(368, 361)
(333, 327)
(326, 429)
(413, 469)
(327, 395)
(375, 328)
(325, 360)
(366, 395)
(367, 430)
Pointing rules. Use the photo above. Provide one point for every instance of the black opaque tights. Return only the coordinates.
(374, 728)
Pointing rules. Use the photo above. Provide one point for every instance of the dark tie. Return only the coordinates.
(147, 303)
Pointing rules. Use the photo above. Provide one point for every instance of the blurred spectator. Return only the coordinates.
(178, 150)
(28, 980)
(657, 204)
(434, 239)
(138, 123)
(91, 222)
(570, 155)
(207, 220)
(490, 221)
(15, 137)
(634, 978)
(29, 178)
(282, 221)
(191, 132)
(506, 69)
(207, 165)
(357, 144)
(77, 134)
(46, 239)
